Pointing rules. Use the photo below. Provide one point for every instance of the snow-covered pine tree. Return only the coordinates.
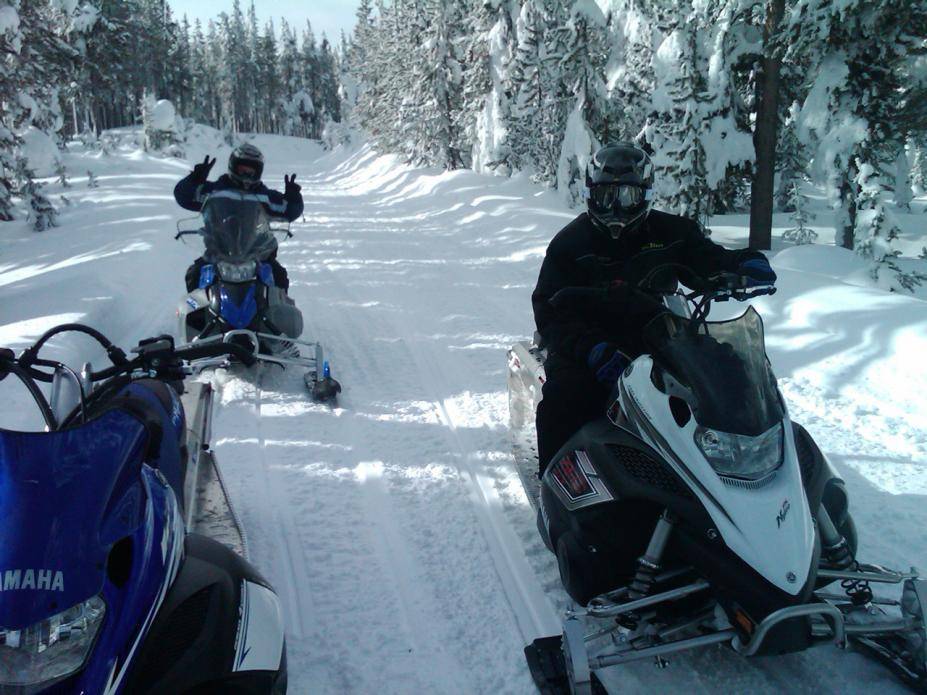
(268, 77)
(41, 44)
(295, 101)
(42, 213)
(312, 79)
(540, 105)
(799, 232)
(435, 133)
(582, 67)
(328, 83)
(791, 159)
(675, 128)
(629, 70)
(859, 50)
(62, 173)
(488, 104)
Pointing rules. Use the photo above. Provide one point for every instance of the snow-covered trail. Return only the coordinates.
(394, 527)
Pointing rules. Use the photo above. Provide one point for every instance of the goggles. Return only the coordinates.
(617, 196)
(246, 170)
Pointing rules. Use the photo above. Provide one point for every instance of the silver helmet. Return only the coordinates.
(246, 165)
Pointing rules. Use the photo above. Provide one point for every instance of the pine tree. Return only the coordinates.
(676, 129)
(629, 69)
(42, 213)
(868, 110)
(800, 232)
(582, 67)
(792, 160)
(434, 110)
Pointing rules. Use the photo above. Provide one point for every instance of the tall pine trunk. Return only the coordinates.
(766, 131)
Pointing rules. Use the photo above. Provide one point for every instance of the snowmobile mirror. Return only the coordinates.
(182, 237)
(282, 229)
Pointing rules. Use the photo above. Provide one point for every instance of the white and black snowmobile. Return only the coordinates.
(125, 567)
(695, 512)
(236, 299)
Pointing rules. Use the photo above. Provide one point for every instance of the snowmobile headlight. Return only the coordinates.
(236, 272)
(50, 649)
(739, 456)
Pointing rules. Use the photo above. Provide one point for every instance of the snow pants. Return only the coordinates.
(571, 398)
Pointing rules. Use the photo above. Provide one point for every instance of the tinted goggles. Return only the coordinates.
(621, 196)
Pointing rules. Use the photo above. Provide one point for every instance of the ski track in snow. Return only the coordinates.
(394, 526)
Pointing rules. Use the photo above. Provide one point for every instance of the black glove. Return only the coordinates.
(290, 185)
(757, 271)
(607, 362)
(201, 170)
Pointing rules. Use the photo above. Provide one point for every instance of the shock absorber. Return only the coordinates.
(649, 564)
(837, 554)
(834, 547)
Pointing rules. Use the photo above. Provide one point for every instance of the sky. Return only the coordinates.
(330, 16)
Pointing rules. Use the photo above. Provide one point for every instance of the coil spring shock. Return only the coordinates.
(649, 563)
(838, 555)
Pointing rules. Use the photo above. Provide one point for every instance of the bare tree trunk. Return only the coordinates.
(766, 131)
(846, 219)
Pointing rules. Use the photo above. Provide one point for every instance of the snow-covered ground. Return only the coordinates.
(394, 526)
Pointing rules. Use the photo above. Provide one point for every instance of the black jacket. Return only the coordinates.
(583, 256)
(190, 194)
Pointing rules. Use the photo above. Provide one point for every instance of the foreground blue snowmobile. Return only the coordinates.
(109, 579)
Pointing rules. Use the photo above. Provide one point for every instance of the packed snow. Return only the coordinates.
(394, 526)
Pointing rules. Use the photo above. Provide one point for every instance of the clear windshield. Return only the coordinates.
(724, 366)
(236, 230)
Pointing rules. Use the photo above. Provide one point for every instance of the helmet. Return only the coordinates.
(619, 188)
(246, 164)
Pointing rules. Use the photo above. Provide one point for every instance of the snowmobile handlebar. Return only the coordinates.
(156, 358)
(719, 287)
(153, 355)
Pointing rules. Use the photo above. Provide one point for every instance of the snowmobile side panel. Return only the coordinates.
(192, 644)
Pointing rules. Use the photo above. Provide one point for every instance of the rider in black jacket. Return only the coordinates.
(615, 244)
(246, 165)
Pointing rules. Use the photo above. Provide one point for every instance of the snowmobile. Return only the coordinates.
(236, 299)
(122, 563)
(694, 512)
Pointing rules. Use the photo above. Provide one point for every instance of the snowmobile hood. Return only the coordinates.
(65, 498)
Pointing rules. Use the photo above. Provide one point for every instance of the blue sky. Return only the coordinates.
(330, 16)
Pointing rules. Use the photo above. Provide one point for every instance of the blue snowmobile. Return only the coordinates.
(122, 564)
(237, 299)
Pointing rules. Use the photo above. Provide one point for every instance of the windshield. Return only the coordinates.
(236, 230)
(724, 366)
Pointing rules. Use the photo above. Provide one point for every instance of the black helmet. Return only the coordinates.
(619, 187)
(246, 164)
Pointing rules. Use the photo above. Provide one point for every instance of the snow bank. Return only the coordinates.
(40, 152)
